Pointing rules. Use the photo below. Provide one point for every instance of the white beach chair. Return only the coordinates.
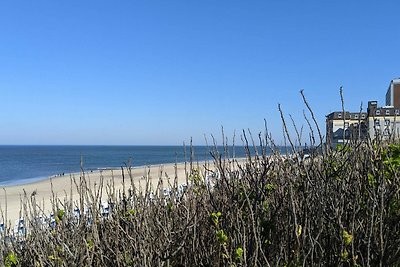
(166, 192)
(19, 227)
(105, 209)
(76, 215)
(211, 178)
(182, 189)
(89, 215)
(52, 221)
(40, 222)
(150, 196)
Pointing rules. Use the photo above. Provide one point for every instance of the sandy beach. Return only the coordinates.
(64, 187)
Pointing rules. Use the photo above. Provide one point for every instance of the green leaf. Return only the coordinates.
(222, 237)
(239, 253)
(60, 214)
(299, 230)
(90, 244)
(371, 180)
(347, 238)
(215, 217)
(170, 206)
(344, 255)
(11, 260)
(270, 187)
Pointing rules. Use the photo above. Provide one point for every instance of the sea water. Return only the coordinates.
(24, 164)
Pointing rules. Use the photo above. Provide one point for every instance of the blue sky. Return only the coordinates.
(161, 72)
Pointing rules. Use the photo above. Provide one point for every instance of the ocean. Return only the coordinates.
(24, 164)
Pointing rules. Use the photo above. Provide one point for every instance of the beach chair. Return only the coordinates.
(182, 189)
(52, 221)
(76, 215)
(39, 221)
(212, 179)
(19, 227)
(166, 192)
(150, 196)
(104, 209)
(88, 215)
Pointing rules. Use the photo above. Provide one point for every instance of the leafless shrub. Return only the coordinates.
(338, 208)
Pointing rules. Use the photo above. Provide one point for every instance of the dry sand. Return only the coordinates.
(10, 197)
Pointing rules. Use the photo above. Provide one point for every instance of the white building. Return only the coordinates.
(344, 126)
(382, 122)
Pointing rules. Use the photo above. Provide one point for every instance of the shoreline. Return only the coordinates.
(13, 198)
(27, 181)
(63, 187)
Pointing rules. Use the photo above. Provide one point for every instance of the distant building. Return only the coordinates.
(393, 94)
(383, 121)
(342, 127)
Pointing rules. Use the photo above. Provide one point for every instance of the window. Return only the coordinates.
(378, 112)
(397, 112)
(377, 123)
(387, 112)
(346, 125)
(363, 116)
(339, 115)
(387, 122)
(356, 116)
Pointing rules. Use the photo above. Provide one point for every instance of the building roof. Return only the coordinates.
(384, 111)
(396, 81)
(338, 115)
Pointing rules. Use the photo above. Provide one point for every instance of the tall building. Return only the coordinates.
(393, 94)
(384, 122)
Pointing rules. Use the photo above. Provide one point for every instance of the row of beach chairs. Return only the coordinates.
(105, 209)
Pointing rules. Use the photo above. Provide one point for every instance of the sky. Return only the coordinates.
(131, 72)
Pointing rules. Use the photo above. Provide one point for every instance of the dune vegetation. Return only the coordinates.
(335, 207)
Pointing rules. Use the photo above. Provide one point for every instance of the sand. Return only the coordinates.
(61, 187)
